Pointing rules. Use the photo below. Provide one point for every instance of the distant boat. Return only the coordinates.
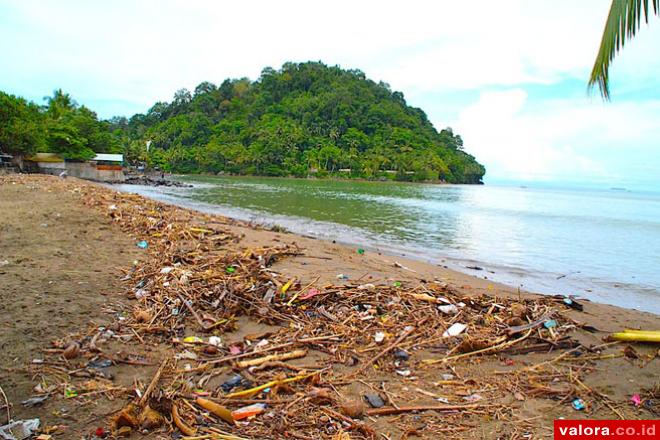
(614, 188)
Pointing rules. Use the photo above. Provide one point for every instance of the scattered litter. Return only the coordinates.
(342, 276)
(473, 398)
(449, 309)
(636, 336)
(34, 401)
(142, 244)
(360, 251)
(550, 323)
(455, 330)
(189, 355)
(312, 292)
(19, 430)
(99, 363)
(401, 266)
(570, 302)
(379, 337)
(193, 340)
(270, 294)
(636, 399)
(140, 293)
(248, 411)
(288, 285)
(374, 400)
(578, 404)
(215, 341)
(234, 382)
(401, 354)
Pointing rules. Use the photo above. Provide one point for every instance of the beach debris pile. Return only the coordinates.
(327, 361)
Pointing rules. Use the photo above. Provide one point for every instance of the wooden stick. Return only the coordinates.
(539, 322)
(483, 350)
(185, 429)
(194, 313)
(404, 409)
(152, 384)
(8, 405)
(272, 357)
(270, 384)
(274, 347)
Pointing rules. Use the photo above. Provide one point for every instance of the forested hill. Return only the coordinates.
(305, 119)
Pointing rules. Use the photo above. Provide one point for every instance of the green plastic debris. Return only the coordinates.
(360, 251)
(397, 284)
(230, 269)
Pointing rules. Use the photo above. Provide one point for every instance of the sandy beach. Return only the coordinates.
(67, 269)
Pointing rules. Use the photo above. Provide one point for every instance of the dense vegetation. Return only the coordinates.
(60, 126)
(305, 119)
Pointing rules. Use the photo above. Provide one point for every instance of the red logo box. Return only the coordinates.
(610, 429)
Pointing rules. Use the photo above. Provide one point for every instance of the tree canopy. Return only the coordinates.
(623, 22)
(61, 126)
(303, 119)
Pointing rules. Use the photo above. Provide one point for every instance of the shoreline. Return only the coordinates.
(608, 292)
(330, 178)
(125, 219)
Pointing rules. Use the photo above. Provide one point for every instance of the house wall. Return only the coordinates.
(51, 167)
(110, 175)
(83, 170)
(88, 170)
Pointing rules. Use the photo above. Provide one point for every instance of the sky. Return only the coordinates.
(509, 76)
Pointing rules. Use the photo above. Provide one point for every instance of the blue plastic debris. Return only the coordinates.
(551, 323)
(142, 244)
(578, 404)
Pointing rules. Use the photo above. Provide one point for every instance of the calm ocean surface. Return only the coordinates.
(598, 244)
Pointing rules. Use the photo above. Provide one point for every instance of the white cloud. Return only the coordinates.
(146, 50)
(561, 139)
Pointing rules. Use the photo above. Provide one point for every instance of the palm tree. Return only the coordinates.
(623, 22)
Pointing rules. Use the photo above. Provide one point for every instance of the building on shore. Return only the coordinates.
(6, 163)
(102, 168)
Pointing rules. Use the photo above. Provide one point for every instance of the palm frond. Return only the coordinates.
(623, 22)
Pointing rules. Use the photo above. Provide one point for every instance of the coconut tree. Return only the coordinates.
(623, 22)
